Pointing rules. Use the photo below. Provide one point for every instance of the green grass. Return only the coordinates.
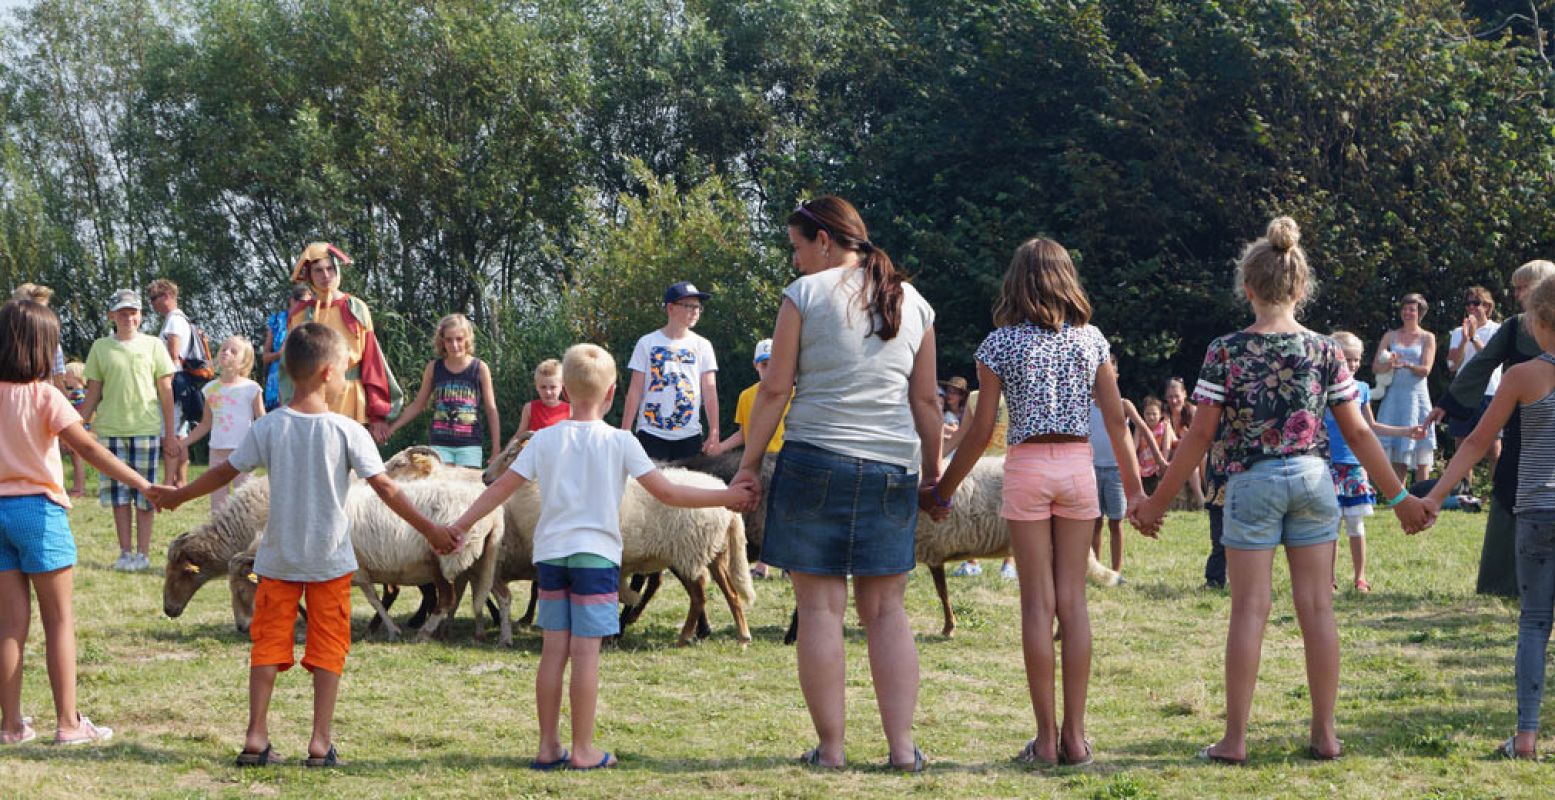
(1426, 693)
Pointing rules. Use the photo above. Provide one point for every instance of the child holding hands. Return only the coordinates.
(1529, 386)
(309, 453)
(36, 545)
(1266, 387)
(581, 465)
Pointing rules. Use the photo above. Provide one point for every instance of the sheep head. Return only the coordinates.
(505, 458)
(182, 577)
(413, 463)
(244, 584)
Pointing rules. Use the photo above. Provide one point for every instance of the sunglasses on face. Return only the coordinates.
(1474, 303)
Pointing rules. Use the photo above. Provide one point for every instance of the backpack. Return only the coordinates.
(198, 361)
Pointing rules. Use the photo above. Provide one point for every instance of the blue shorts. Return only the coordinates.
(35, 535)
(579, 594)
(1276, 501)
(831, 514)
(1461, 428)
(460, 456)
(1109, 492)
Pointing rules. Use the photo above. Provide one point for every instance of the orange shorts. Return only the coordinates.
(273, 630)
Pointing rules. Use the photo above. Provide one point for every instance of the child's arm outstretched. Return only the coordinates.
(489, 402)
(970, 441)
(85, 445)
(200, 430)
(436, 535)
(1110, 401)
(410, 412)
(499, 491)
(1131, 414)
(1514, 385)
(1411, 512)
(213, 479)
(680, 495)
(523, 424)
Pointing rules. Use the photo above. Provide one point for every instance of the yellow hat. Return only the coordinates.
(314, 252)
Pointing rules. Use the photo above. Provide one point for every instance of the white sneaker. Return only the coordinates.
(87, 733)
(142, 562)
(967, 570)
(1007, 572)
(125, 562)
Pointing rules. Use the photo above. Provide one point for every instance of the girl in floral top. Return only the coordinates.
(1050, 363)
(1266, 388)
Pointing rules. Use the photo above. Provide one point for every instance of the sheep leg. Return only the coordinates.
(792, 634)
(444, 591)
(363, 582)
(391, 592)
(944, 599)
(721, 576)
(428, 604)
(703, 629)
(649, 588)
(529, 612)
(504, 614)
(697, 590)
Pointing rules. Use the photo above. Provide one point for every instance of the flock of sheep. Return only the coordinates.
(694, 544)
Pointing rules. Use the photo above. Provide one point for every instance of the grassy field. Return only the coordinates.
(1426, 693)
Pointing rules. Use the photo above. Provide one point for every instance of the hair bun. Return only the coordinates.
(1283, 234)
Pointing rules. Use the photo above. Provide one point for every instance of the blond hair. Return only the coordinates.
(161, 286)
(76, 369)
(36, 292)
(245, 364)
(549, 368)
(1348, 342)
(588, 372)
(1274, 267)
(1533, 272)
(1041, 287)
(1541, 303)
(453, 321)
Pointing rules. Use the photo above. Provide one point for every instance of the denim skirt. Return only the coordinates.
(831, 514)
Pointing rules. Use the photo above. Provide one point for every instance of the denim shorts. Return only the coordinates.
(1109, 492)
(1276, 501)
(34, 535)
(460, 456)
(831, 514)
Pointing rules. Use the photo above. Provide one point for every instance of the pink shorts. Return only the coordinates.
(1050, 480)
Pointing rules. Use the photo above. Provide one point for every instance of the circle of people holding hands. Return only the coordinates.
(1276, 438)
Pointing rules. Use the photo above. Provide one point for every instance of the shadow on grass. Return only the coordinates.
(112, 750)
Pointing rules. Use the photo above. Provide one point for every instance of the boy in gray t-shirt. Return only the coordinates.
(309, 453)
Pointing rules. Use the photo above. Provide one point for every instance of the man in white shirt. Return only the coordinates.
(1466, 341)
(177, 335)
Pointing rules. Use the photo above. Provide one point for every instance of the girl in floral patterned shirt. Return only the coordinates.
(1050, 364)
(1265, 388)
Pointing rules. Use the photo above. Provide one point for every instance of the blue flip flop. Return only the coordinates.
(547, 766)
(604, 763)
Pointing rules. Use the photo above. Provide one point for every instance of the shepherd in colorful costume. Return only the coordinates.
(372, 395)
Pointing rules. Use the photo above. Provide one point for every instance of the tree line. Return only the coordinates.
(547, 168)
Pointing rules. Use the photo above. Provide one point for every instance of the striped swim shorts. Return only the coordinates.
(579, 594)
(142, 454)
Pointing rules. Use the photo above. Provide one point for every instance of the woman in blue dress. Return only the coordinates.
(1408, 353)
(275, 336)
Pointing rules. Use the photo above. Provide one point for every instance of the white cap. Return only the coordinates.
(763, 351)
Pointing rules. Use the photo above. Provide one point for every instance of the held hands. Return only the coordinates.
(747, 481)
(445, 539)
(1415, 515)
(738, 497)
(711, 446)
(165, 498)
(379, 430)
(930, 503)
(1145, 515)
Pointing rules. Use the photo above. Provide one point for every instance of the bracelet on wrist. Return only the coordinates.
(938, 500)
(1402, 493)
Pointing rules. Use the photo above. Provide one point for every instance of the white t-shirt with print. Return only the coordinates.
(232, 411)
(1481, 338)
(581, 468)
(672, 383)
(177, 324)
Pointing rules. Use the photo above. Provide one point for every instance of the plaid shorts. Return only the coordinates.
(142, 454)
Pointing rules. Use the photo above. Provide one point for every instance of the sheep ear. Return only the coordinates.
(252, 578)
(192, 569)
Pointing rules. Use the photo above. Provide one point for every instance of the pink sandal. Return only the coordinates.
(27, 734)
(85, 733)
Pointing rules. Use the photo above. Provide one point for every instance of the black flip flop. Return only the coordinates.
(328, 760)
(263, 758)
(919, 762)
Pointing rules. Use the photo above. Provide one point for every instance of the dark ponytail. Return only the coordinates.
(882, 291)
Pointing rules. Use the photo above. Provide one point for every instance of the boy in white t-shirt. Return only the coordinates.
(673, 372)
(581, 465)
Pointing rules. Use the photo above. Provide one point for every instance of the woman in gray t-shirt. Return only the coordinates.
(855, 343)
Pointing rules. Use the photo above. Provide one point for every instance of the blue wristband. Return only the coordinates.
(940, 501)
(1402, 493)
